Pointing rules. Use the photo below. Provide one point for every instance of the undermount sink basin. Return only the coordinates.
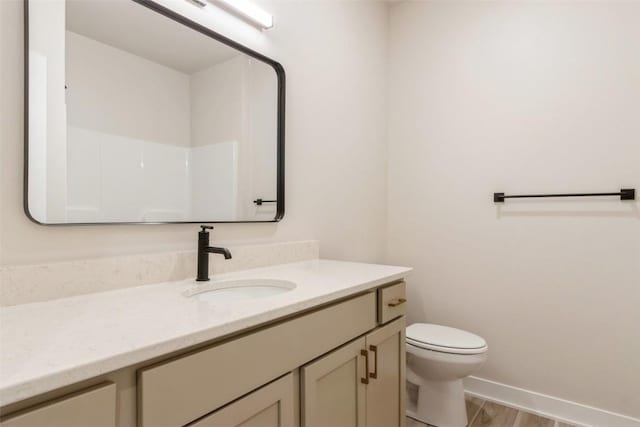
(239, 290)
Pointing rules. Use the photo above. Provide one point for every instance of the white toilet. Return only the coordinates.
(438, 358)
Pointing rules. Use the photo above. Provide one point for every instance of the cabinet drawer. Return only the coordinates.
(391, 302)
(177, 392)
(95, 407)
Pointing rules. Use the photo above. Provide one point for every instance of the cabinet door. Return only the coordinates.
(333, 388)
(386, 388)
(269, 406)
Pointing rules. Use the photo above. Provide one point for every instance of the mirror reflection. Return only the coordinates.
(134, 117)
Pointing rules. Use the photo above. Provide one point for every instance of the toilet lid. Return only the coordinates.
(444, 339)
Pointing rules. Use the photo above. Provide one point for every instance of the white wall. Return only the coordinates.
(217, 129)
(335, 57)
(522, 97)
(261, 155)
(217, 103)
(118, 178)
(116, 92)
(38, 135)
(49, 69)
(214, 163)
(234, 127)
(129, 134)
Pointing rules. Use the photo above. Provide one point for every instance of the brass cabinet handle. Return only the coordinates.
(365, 353)
(374, 350)
(396, 302)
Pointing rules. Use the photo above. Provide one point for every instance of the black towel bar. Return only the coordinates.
(260, 202)
(625, 194)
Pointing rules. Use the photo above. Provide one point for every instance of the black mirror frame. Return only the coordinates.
(280, 74)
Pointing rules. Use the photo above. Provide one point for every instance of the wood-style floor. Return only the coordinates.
(483, 413)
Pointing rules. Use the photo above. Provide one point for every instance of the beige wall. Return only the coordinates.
(522, 97)
(335, 56)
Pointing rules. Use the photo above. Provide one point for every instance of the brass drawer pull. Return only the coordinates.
(396, 302)
(365, 353)
(374, 350)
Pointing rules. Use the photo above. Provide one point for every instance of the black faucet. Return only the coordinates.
(203, 253)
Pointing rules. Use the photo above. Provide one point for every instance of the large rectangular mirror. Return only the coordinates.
(138, 115)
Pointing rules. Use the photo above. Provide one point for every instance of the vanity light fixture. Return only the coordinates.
(248, 11)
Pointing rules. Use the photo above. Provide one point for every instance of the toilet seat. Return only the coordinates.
(444, 339)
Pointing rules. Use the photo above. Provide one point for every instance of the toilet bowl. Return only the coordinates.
(438, 358)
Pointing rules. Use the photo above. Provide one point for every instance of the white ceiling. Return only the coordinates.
(129, 26)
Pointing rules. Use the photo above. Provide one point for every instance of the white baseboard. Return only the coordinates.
(547, 406)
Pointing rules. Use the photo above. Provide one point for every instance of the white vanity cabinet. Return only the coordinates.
(338, 364)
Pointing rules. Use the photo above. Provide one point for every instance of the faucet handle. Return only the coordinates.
(205, 228)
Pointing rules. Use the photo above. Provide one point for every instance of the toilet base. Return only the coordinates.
(441, 404)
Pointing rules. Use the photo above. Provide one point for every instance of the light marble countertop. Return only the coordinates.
(48, 345)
